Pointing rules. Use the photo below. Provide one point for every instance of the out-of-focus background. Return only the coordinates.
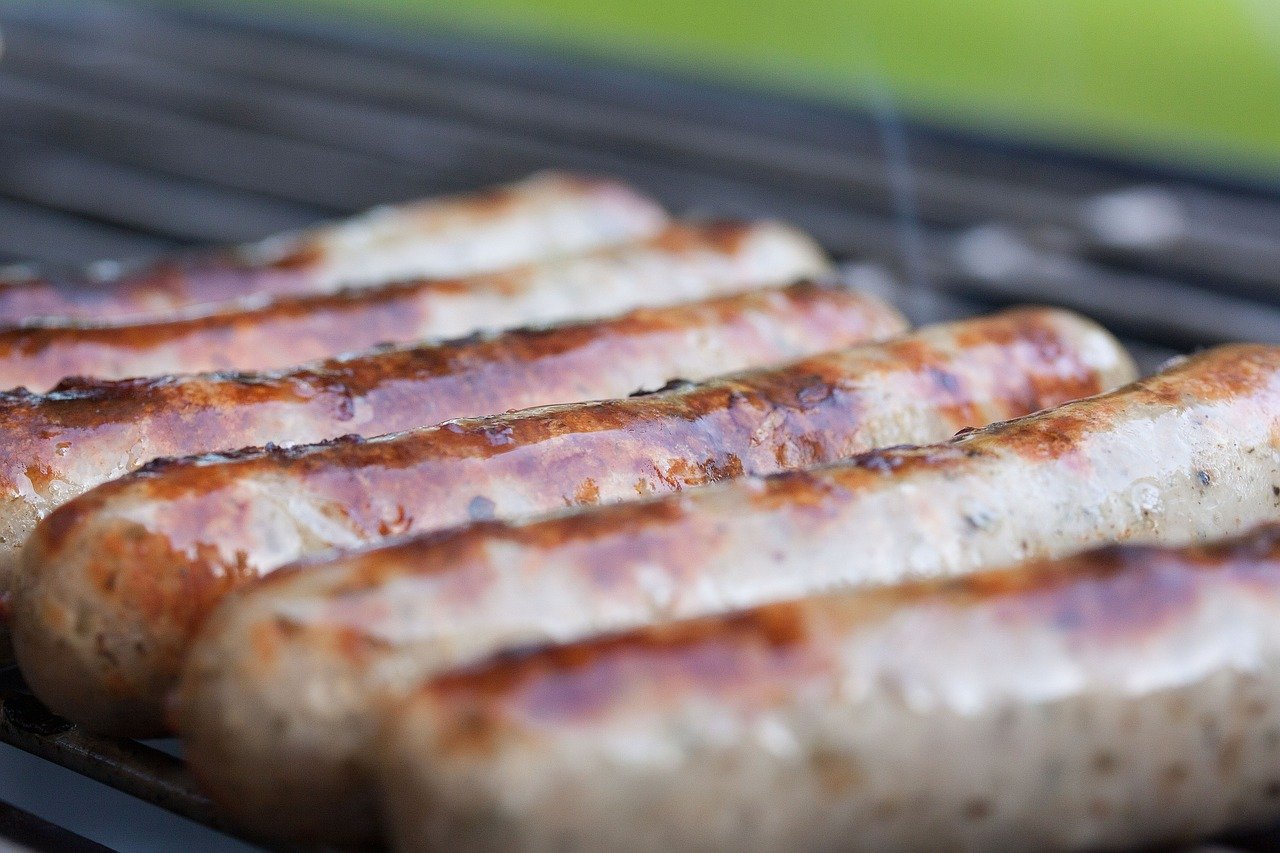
(1182, 80)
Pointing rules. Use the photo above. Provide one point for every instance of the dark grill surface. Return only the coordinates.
(129, 130)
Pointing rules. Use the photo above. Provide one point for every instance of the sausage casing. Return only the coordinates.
(905, 389)
(59, 445)
(176, 537)
(684, 262)
(1121, 698)
(544, 216)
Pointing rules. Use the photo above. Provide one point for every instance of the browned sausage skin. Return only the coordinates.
(277, 694)
(158, 549)
(1124, 697)
(547, 215)
(60, 444)
(682, 263)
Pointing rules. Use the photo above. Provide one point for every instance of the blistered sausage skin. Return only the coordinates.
(918, 387)
(683, 262)
(1122, 698)
(544, 216)
(61, 444)
(274, 702)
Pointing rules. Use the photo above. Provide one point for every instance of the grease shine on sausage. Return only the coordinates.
(276, 696)
(1128, 697)
(682, 263)
(918, 387)
(544, 216)
(59, 445)
(152, 553)
(136, 601)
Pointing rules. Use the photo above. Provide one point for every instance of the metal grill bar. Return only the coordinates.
(953, 186)
(29, 832)
(137, 199)
(1210, 245)
(127, 765)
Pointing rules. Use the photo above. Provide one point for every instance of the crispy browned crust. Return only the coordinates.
(85, 432)
(1139, 627)
(607, 546)
(418, 385)
(1117, 594)
(295, 329)
(554, 685)
(300, 263)
(1224, 373)
(169, 284)
(282, 689)
(166, 543)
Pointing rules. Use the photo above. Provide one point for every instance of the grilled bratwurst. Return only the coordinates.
(84, 433)
(683, 262)
(276, 699)
(1126, 697)
(175, 538)
(542, 217)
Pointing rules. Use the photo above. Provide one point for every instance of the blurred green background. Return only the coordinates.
(1194, 80)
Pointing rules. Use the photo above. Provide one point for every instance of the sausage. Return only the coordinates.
(1126, 697)
(544, 216)
(177, 537)
(683, 262)
(86, 432)
(274, 703)
(175, 540)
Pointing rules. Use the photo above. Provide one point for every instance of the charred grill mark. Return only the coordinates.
(302, 258)
(300, 262)
(1233, 371)
(729, 236)
(1044, 369)
(744, 424)
(1224, 372)
(559, 683)
(1133, 602)
(167, 284)
(292, 328)
(1058, 435)
(751, 424)
(315, 315)
(1101, 596)
(1260, 547)
(401, 388)
(1113, 592)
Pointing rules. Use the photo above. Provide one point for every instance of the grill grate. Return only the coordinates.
(130, 130)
